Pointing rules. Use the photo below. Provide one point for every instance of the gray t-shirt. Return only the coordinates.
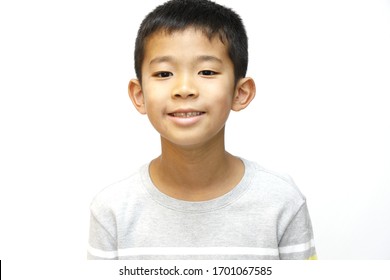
(264, 217)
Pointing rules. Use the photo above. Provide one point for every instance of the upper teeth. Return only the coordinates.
(186, 115)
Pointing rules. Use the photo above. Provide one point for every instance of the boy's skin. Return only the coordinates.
(185, 71)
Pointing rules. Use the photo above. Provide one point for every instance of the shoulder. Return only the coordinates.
(120, 193)
(276, 186)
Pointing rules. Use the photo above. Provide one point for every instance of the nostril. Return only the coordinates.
(184, 95)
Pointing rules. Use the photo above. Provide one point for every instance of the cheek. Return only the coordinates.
(224, 97)
(152, 108)
(221, 107)
(153, 101)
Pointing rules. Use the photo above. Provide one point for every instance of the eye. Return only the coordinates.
(207, 73)
(163, 74)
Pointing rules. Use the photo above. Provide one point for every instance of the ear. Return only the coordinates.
(244, 94)
(136, 95)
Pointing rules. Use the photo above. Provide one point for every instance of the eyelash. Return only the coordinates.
(209, 73)
(163, 74)
(166, 74)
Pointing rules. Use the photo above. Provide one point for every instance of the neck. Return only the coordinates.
(196, 173)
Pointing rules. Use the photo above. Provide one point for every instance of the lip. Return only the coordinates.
(186, 117)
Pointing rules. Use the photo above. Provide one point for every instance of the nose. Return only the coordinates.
(185, 88)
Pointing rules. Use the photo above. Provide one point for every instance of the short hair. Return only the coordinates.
(209, 17)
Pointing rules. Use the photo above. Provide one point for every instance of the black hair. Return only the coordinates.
(209, 17)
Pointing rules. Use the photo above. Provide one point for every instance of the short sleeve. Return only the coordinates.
(102, 243)
(297, 242)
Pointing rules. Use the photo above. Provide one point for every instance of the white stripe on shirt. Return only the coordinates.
(180, 251)
(177, 251)
(297, 248)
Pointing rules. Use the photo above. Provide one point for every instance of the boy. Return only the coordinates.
(196, 201)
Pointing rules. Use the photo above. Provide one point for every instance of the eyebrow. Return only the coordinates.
(161, 59)
(199, 59)
(205, 58)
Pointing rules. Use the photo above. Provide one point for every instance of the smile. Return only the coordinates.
(186, 114)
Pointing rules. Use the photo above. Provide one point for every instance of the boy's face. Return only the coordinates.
(187, 86)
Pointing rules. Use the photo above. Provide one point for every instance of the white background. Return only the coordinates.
(68, 129)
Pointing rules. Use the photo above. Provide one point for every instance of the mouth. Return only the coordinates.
(185, 114)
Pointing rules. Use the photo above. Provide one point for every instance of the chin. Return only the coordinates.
(194, 138)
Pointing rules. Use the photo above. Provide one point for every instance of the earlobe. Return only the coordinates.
(244, 94)
(136, 95)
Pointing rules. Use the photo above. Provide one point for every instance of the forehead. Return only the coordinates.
(185, 43)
